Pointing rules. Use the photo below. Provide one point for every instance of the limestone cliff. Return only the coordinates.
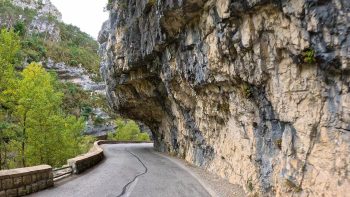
(256, 91)
(43, 21)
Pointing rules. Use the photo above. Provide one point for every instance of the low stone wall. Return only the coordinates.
(83, 162)
(121, 142)
(24, 181)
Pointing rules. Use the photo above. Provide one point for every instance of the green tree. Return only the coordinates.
(47, 134)
(128, 130)
(73, 138)
(56, 141)
(35, 127)
(9, 47)
(37, 100)
(4, 140)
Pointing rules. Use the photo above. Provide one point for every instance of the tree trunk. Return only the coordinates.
(24, 139)
(5, 157)
(0, 158)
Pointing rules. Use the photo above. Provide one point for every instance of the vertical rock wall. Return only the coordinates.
(256, 91)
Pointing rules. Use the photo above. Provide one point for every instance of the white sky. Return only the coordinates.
(88, 15)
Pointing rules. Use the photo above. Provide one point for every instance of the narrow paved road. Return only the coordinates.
(133, 170)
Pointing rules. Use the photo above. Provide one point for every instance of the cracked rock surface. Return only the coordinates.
(255, 91)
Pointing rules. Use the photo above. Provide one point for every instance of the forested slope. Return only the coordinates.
(42, 116)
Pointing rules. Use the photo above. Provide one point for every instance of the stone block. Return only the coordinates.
(27, 180)
(42, 184)
(11, 193)
(35, 187)
(17, 182)
(7, 184)
(22, 191)
(38, 177)
(29, 189)
(49, 183)
(34, 178)
(44, 175)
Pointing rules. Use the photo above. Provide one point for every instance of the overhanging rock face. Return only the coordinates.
(255, 91)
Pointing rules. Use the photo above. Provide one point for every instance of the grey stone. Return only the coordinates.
(29, 189)
(34, 178)
(11, 193)
(22, 191)
(27, 180)
(49, 183)
(42, 184)
(35, 187)
(17, 181)
(7, 183)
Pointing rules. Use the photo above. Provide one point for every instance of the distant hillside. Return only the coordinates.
(61, 48)
(44, 36)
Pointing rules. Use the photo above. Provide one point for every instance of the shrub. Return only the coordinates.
(8, 10)
(128, 130)
(86, 112)
(33, 49)
(109, 5)
(246, 90)
(309, 56)
(250, 185)
(290, 184)
(152, 2)
(99, 120)
(20, 28)
(75, 48)
(278, 143)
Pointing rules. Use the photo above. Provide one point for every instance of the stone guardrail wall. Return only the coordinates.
(83, 162)
(24, 181)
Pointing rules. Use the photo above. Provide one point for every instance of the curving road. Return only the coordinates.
(130, 170)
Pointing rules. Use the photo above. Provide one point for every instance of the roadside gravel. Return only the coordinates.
(216, 186)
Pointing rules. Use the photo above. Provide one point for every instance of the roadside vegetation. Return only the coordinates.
(128, 130)
(36, 125)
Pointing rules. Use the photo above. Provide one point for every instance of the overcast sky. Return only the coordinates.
(88, 15)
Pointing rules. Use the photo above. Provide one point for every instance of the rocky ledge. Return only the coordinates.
(256, 91)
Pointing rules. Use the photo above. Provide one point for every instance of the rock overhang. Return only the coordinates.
(229, 83)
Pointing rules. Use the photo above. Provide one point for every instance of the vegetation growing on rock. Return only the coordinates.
(75, 48)
(309, 56)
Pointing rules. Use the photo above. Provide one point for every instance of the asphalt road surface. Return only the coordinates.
(130, 170)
